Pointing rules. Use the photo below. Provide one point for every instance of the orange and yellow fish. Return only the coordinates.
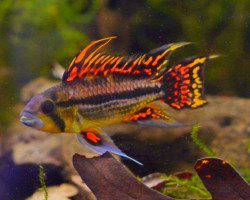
(98, 89)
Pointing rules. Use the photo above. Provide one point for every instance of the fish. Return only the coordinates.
(99, 89)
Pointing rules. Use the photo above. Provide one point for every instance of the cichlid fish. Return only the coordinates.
(98, 89)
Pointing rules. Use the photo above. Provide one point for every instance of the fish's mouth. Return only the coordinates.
(29, 119)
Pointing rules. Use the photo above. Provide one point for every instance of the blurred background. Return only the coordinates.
(34, 35)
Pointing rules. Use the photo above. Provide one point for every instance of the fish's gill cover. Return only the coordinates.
(90, 61)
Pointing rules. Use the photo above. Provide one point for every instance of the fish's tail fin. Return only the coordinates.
(183, 83)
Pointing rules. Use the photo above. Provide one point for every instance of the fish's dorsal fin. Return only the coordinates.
(90, 62)
(155, 115)
(80, 64)
(99, 142)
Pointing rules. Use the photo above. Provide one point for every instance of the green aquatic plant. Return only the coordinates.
(245, 172)
(198, 142)
(193, 187)
(42, 182)
(188, 188)
(184, 188)
(248, 146)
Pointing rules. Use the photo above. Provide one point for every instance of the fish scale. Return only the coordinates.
(113, 97)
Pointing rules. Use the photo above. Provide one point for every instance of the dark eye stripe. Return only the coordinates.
(58, 121)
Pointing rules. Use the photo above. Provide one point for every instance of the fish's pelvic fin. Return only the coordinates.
(155, 115)
(99, 142)
(183, 83)
(90, 62)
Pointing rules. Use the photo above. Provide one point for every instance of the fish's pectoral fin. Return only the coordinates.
(153, 114)
(99, 142)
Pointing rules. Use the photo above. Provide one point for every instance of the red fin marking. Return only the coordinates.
(104, 64)
(134, 64)
(85, 70)
(72, 74)
(104, 60)
(94, 52)
(159, 57)
(81, 55)
(147, 113)
(183, 83)
(91, 137)
(142, 114)
(147, 62)
(117, 62)
(82, 61)
(142, 57)
(148, 71)
(71, 64)
(99, 59)
(115, 59)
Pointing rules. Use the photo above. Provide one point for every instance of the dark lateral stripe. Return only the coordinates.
(95, 113)
(98, 99)
(58, 121)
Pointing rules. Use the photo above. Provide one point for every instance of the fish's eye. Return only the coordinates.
(47, 107)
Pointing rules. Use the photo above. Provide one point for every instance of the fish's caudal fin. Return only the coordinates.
(183, 83)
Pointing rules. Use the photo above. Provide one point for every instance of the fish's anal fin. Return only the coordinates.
(99, 142)
(153, 114)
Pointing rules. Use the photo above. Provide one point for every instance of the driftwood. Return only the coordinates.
(109, 179)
